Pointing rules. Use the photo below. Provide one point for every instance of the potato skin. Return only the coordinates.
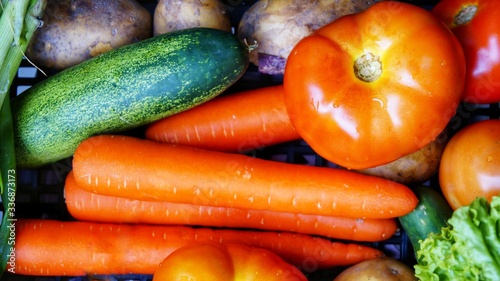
(76, 30)
(171, 15)
(277, 25)
(378, 269)
(416, 167)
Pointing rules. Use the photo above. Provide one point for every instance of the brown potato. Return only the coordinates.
(173, 15)
(378, 269)
(76, 30)
(277, 25)
(417, 167)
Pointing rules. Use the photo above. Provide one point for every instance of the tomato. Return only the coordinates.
(372, 87)
(216, 261)
(470, 164)
(476, 25)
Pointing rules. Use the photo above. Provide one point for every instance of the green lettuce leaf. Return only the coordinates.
(467, 249)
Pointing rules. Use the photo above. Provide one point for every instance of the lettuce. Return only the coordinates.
(467, 249)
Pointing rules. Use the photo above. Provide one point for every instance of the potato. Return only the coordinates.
(173, 15)
(76, 30)
(417, 167)
(378, 269)
(277, 25)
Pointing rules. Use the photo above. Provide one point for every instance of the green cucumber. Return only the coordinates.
(430, 215)
(124, 89)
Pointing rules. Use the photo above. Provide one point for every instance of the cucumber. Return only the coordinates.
(430, 215)
(124, 89)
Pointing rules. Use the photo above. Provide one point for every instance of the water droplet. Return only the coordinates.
(379, 101)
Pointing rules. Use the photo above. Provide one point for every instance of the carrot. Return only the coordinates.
(85, 205)
(141, 169)
(235, 122)
(76, 248)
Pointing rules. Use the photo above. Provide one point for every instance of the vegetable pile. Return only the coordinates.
(175, 155)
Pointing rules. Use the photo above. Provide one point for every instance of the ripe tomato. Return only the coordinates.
(216, 261)
(372, 87)
(470, 164)
(476, 25)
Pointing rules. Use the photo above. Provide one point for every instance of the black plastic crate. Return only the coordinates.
(40, 191)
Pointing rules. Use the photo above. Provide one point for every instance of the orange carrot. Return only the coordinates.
(76, 248)
(140, 169)
(235, 122)
(85, 205)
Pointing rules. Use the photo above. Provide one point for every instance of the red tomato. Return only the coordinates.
(372, 87)
(470, 164)
(215, 261)
(477, 26)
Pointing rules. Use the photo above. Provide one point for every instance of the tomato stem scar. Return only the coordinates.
(465, 15)
(368, 67)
